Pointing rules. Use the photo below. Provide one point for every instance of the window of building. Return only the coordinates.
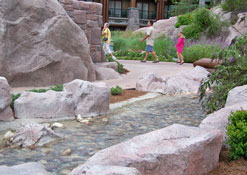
(167, 11)
(115, 8)
(143, 10)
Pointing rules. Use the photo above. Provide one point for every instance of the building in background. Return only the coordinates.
(133, 14)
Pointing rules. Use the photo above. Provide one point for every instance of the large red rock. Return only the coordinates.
(5, 100)
(41, 45)
(177, 149)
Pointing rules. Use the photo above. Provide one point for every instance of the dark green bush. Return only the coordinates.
(237, 135)
(57, 88)
(185, 19)
(116, 91)
(230, 74)
(184, 6)
(235, 5)
(38, 90)
(14, 97)
(203, 20)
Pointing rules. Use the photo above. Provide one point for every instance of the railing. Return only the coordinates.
(118, 13)
(145, 14)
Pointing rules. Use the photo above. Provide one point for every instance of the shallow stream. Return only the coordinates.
(119, 125)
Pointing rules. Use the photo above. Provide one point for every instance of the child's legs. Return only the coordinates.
(181, 57)
(146, 56)
(178, 57)
(155, 56)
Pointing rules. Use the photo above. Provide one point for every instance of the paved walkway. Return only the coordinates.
(137, 70)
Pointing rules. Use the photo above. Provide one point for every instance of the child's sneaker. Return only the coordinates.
(114, 58)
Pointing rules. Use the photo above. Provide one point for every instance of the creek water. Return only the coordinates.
(119, 125)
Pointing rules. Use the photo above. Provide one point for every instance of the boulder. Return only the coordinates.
(46, 105)
(207, 63)
(5, 100)
(40, 45)
(112, 65)
(181, 83)
(161, 27)
(219, 119)
(90, 99)
(237, 95)
(30, 168)
(106, 170)
(104, 73)
(33, 134)
(176, 149)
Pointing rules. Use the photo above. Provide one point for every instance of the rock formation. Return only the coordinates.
(5, 100)
(41, 45)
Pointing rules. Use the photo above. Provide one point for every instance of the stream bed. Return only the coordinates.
(119, 125)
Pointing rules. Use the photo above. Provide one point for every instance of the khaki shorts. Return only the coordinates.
(106, 48)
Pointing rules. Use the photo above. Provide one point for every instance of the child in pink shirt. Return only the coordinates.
(180, 47)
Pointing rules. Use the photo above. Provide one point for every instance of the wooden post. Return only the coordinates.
(133, 3)
(105, 9)
(160, 9)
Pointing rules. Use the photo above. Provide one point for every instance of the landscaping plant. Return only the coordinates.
(116, 90)
(184, 6)
(235, 5)
(230, 74)
(237, 135)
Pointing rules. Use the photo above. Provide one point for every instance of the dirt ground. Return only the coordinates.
(226, 167)
(126, 94)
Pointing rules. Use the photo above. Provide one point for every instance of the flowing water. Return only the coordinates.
(122, 124)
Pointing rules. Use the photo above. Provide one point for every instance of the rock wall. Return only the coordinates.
(88, 16)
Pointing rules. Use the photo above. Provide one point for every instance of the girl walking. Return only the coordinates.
(180, 47)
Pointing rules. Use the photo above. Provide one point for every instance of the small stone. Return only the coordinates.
(56, 125)
(86, 121)
(79, 118)
(105, 119)
(44, 162)
(8, 135)
(67, 152)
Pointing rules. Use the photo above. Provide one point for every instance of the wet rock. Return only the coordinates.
(90, 99)
(31, 168)
(67, 152)
(31, 134)
(5, 100)
(44, 105)
(191, 150)
(219, 119)
(8, 135)
(32, 51)
(107, 170)
(237, 95)
(181, 83)
(57, 125)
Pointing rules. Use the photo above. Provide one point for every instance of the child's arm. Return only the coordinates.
(145, 38)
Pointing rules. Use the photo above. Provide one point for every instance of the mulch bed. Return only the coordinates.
(126, 94)
(226, 167)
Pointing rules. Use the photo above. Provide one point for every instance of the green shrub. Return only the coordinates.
(58, 88)
(14, 97)
(116, 91)
(120, 67)
(235, 5)
(237, 135)
(38, 90)
(196, 52)
(204, 20)
(193, 31)
(230, 74)
(185, 19)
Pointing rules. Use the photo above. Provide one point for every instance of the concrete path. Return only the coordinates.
(137, 70)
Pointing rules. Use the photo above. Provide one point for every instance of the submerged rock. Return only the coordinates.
(31, 168)
(33, 134)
